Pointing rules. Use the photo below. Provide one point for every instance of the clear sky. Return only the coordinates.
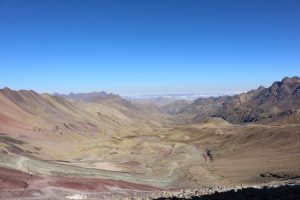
(148, 46)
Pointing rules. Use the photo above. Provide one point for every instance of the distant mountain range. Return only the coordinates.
(91, 96)
(176, 96)
(101, 110)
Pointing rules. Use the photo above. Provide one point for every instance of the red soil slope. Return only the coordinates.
(13, 179)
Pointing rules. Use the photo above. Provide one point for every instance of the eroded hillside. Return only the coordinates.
(112, 144)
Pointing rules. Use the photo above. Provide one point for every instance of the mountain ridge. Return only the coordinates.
(211, 141)
(278, 101)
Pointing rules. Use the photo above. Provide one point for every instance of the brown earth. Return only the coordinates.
(106, 144)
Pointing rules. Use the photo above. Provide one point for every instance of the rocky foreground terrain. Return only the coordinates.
(99, 145)
(275, 190)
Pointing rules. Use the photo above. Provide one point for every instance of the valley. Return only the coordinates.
(53, 146)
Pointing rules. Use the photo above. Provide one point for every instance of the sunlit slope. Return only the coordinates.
(57, 126)
(50, 114)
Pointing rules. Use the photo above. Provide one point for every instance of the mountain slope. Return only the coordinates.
(113, 139)
(279, 102)
(200, 109)
(27, 112)
(175, 107)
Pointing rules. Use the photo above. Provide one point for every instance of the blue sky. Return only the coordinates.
(150, 46)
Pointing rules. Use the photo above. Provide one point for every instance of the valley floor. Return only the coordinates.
(165, 158)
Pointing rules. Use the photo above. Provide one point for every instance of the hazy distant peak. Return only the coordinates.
(91, 96)
(6, 88)
(177, 96)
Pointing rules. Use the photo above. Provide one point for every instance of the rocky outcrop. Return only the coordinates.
(280, 101)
